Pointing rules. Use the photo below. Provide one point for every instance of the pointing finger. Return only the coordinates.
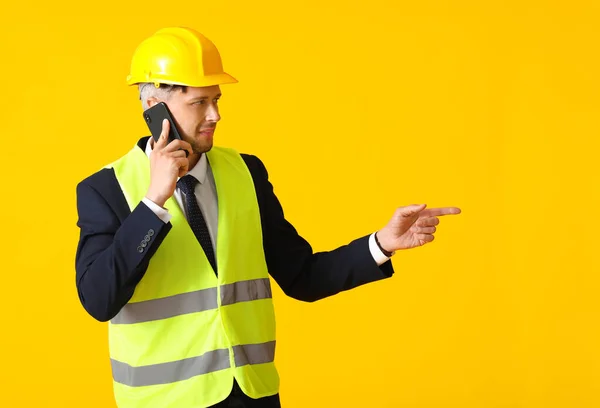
(435, 212)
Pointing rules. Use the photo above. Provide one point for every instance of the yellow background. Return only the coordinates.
(356, 107)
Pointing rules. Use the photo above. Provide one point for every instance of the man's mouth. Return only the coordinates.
(208, 132)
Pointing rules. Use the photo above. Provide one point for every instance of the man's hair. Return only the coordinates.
(147, 89)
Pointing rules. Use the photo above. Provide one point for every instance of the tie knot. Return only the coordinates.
(187, 183)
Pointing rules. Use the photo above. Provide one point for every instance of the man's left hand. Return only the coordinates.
(412, 226)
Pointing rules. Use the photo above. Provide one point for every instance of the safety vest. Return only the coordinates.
(185, 334)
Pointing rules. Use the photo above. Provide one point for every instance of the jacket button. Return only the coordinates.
(143, 244)
(147, 238)
(150, 232)
(140, 249)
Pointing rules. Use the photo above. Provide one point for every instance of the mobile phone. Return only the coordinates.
(154, 117)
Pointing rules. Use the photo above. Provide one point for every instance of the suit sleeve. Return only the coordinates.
(112, 256)
(301, 273)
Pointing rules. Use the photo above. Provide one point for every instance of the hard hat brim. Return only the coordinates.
(209, 80)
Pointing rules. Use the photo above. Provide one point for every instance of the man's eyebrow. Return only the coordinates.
(199, 98)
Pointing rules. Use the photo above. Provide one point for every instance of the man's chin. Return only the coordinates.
(203, 149)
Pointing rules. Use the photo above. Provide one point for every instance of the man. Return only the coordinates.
(178, 241)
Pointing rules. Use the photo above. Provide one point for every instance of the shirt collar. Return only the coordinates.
(199, 170)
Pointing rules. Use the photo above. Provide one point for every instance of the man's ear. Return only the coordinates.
(152, 101)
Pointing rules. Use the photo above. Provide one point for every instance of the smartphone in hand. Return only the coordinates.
(154, 117)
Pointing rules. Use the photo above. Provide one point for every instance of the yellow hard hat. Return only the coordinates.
(178, 56)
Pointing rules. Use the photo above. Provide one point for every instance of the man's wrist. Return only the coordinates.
(383, 250)
(156, 200)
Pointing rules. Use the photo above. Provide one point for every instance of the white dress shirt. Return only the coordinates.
(206, 195)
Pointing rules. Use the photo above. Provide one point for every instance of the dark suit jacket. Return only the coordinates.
(109, 266)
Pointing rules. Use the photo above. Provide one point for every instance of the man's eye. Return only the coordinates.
(200, 102)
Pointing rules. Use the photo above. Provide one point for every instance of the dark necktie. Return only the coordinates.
(187, 184)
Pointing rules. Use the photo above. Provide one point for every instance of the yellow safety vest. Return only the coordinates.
(185, 334)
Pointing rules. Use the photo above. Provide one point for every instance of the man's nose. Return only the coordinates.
(212, 114)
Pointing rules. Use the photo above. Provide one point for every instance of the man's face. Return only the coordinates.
(196, 114)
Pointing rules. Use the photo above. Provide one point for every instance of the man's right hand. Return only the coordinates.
(167, 163)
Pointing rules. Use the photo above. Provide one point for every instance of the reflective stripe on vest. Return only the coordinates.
(191, 302)
(185, 333)
(183, 369)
